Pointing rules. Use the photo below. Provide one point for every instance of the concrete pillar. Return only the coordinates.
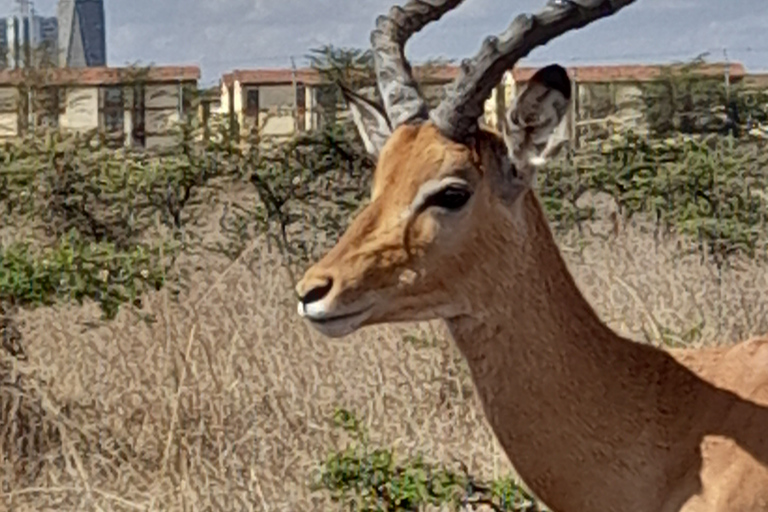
(128, 116)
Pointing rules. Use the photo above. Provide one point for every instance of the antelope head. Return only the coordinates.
(446, 193)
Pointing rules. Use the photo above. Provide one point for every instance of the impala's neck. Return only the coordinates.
(575, 406)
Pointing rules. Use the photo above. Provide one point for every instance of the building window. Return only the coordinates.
(301, 107)
(187, 99)
(112, 112)
(138, 135)
(50, 105)
(113, 120)
(301, 96)
(252, 102)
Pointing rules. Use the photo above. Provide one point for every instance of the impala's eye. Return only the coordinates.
(452, 197)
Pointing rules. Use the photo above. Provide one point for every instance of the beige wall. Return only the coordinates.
(224, 103)
(276, 104)
(9, 125)
(629, 106)
(276, 97)
(161, 103)
(238, 98)
(165, 96)
(162, 107)
(9, 99)
(9, 117)
(310, 115)
(81, 112)
(277, 124)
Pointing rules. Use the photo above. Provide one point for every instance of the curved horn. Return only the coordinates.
(457, 115)
(403, 101)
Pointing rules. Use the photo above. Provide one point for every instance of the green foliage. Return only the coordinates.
(686, 100)
(351, 66)
(126, 202)
(75, 269)
(361, 477)
(354, 67)
(96, 222)
(712, 188)
(307, 188)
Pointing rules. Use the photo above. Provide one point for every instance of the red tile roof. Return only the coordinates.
(100, 75)
(273, 76)
(448, 72)
(631, 73)
(310, 76)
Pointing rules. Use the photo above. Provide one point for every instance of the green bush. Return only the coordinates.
(75, 269)
(364, 478)
(713, 189)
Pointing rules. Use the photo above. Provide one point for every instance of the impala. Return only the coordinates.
(590, 420)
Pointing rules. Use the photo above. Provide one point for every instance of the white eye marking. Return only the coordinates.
(427, 189)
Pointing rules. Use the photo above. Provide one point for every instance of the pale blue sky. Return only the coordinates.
(220, 35)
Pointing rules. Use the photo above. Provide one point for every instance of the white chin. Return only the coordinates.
(337, 328)
(341, 325)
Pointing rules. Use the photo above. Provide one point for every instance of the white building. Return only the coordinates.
(29, 39)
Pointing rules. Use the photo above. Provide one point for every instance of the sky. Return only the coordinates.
(221, 35)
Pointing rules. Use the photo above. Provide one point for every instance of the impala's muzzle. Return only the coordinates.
(319, 304)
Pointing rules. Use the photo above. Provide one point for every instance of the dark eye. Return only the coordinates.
(452, 197)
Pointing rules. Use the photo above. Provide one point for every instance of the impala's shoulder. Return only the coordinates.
(758, 343)
(752, 347)
(740, 367)
(753, 351)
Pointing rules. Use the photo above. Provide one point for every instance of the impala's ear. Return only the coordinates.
(370, 119)
(530, 123)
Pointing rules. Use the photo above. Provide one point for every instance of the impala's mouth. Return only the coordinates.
(335, 325)
(336, 318)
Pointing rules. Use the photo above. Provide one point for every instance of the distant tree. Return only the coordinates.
(354, 68)
(351, 67)
(684, 100)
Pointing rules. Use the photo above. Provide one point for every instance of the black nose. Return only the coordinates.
(317, 293)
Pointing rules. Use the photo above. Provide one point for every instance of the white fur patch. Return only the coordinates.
(428, 188)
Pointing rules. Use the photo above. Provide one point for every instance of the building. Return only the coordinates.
(132, 107)
(82, 33)
(29, 40)
(608, 98)
(3, 44)
(49, 34)
(283, 102)
(280, 102)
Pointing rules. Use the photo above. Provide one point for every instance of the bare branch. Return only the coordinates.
(457, 115)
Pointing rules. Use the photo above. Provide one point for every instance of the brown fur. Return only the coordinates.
(590, 420)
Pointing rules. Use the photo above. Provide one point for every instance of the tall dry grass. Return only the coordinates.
(223, 401)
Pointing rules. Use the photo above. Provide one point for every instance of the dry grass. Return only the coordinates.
(223, 403)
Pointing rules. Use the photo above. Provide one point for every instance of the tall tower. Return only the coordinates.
(82, 33)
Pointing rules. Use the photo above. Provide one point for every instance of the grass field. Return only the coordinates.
(224, 401)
